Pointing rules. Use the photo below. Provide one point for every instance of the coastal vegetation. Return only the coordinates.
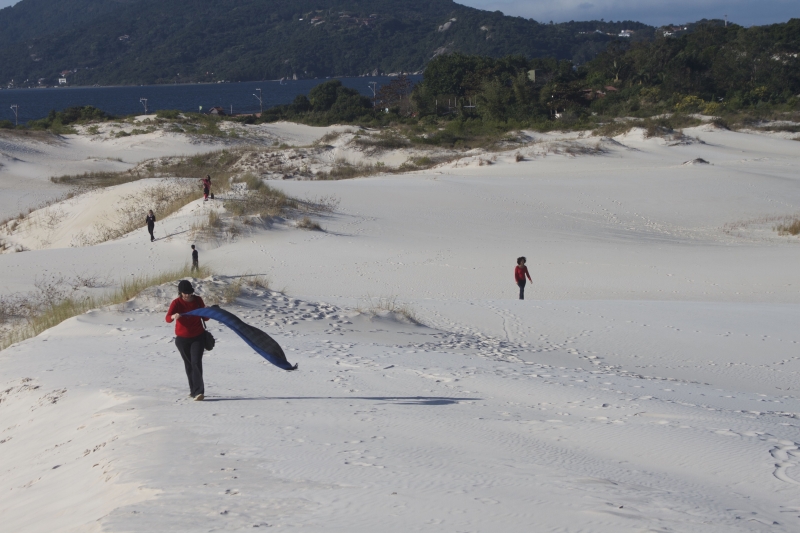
(25, 315)
(739, 75)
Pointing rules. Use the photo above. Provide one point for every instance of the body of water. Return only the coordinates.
(239, 97)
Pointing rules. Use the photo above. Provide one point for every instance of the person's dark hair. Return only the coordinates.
(185, 287)
(520, 260)
(193, 247)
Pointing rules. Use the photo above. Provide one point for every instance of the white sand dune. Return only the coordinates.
(73, 221)
(27, 162)
(648, 383)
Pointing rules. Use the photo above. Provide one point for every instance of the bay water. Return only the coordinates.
(126, 100)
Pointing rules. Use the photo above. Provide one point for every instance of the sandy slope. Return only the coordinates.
(649, 383)
(27, 162)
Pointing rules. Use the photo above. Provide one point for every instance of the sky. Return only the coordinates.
(653, 12)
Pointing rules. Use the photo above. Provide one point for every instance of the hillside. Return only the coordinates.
(169, 41)
(30, 19)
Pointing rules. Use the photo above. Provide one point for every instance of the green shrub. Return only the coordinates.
(59, 121)
(169, 114)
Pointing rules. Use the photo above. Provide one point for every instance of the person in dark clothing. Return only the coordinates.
(519, 276)
(151, 224)
(195, 259)
(189, 333)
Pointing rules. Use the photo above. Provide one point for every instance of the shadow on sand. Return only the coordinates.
(400, 400)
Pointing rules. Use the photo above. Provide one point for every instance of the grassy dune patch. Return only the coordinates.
(789, 227)
(23, 316)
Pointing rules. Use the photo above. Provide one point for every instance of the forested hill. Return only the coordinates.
(36, 18)
(168, 41)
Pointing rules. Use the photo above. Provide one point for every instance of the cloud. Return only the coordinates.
(654, 12)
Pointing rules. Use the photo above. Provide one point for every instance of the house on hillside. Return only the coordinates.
(217, 111)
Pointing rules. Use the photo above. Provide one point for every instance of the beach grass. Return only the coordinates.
(387, 304)
(790, 227)
(42, 316)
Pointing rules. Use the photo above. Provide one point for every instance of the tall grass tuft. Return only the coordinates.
(307, 223)
(791, 227)
(375, 305)
(232, 291)
(264, 201)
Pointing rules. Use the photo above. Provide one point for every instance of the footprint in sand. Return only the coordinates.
(787, 467)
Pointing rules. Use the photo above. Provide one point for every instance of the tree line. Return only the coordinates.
(713, 70)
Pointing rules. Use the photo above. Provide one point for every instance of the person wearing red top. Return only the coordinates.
(206, 187)
(189, 332)
(519, 276)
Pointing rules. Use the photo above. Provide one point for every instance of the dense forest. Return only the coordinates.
(713, 70)
(180, 41)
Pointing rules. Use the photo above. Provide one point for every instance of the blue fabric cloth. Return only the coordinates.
(263, 344)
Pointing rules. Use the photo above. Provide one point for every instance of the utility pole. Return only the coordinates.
(144, 103)
(15, 108)
(260, 101)
(726, 21)
(374, 86)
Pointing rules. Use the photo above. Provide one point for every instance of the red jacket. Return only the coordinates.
(186, 326)
(520, 272)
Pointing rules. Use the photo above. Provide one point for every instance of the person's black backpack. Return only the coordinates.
(208, 339)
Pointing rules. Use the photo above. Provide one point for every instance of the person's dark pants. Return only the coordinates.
(191, 349)
(150, 229)
(195, 266)
(521, 289)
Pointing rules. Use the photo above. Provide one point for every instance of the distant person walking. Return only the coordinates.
(519, 276)
(189, 336)
(195, 259)
(206, 187)
(151, 224)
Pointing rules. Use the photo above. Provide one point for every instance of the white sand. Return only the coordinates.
(649, 382)
(27, 162)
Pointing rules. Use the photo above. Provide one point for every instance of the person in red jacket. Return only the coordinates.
(206, 182)
(519, 276)
(189, 334)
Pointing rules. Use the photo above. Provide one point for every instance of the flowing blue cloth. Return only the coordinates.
(263, 344)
